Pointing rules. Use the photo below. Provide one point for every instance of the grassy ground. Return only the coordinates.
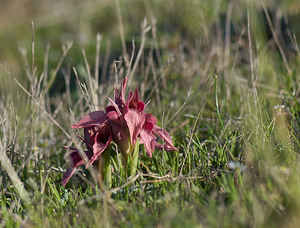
(221, 76)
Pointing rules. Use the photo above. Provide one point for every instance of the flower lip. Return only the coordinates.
(164, 135)
(110, 108)
(113, 117)
(102, 141)
(134, 121)
(93, 118)
(150, 122)
(76, 161)
(147, 138)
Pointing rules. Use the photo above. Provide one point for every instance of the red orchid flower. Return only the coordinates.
(122, 122)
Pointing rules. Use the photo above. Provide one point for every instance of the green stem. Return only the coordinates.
(134, 158)
(104, 169)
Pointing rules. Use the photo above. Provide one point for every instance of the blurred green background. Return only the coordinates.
(178, 23)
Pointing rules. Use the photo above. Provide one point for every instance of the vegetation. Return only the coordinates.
(221, 76)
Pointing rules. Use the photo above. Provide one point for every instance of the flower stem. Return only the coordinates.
(104, 169)
(134, 158)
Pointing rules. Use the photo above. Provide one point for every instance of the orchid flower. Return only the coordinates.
(123, 122)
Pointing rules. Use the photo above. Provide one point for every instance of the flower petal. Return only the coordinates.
(67, 175)
(165, 147)
(89, 136)
(129, 98)
(116, 107)
(146, 138)
(120, 96)
(102, 141)
(110, 108)
(165, 137)
(92, 119)
(114, 117)
(76, 161)
(124, 83)
(141, 106)
(150, 121)
(134, 121)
